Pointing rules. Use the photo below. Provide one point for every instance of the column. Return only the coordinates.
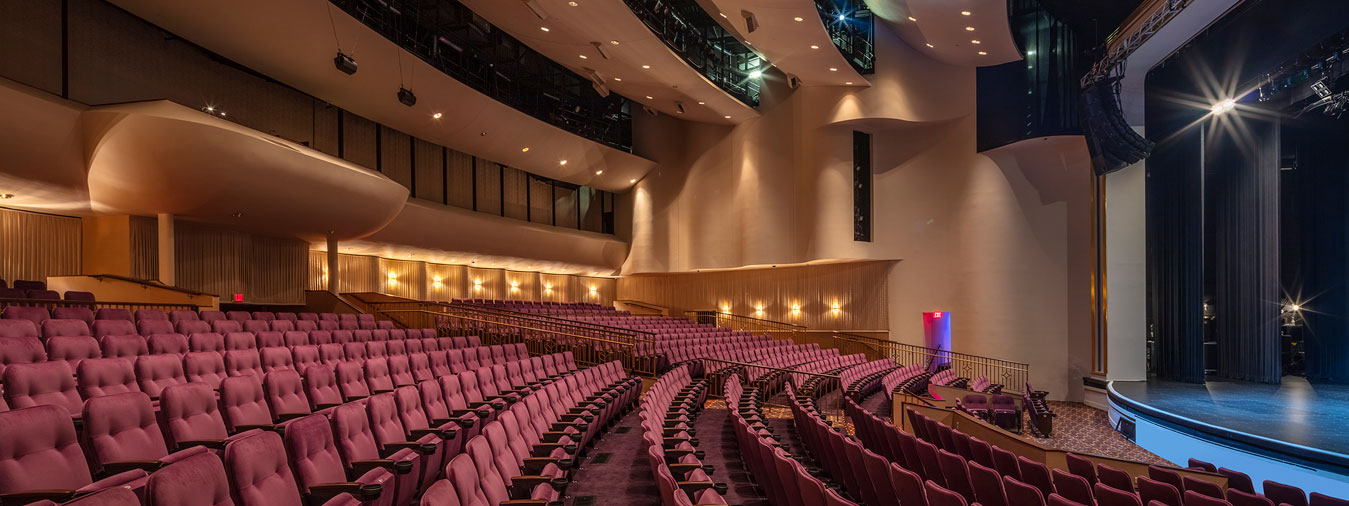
(333, 265)
(166, 258)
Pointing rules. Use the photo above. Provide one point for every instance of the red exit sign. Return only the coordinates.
(238, 297)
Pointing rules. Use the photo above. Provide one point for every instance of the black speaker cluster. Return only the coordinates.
(1112, 143)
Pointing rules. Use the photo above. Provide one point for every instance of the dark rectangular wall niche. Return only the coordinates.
(861, 192)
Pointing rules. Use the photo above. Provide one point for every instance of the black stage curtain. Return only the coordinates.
(1318, 203)
(1175, 254)
(1242, 159)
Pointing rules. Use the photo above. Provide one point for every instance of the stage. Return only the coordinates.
(1293, 433)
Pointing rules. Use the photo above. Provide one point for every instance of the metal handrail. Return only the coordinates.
(96, 304)
(522, 327)
(542, 316)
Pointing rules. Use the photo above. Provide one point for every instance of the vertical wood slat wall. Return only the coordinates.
(265, 270)
(34, 245)
(418, 280)
(860, 289)
(144, 247)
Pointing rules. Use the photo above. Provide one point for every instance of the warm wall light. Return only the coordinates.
(435, 281)
(796, 309)
(836, 308)
(758, 310)
(393, 275)
(594, 290)
(725, 308)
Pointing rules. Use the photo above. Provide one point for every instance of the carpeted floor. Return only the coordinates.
(1080, 428)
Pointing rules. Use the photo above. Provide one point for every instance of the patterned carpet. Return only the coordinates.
(1081, 428)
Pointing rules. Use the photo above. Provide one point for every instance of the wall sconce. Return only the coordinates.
(836, 308)
(594, 290)
(758, 310)
(515, 286)
(393, 278)
(435, 281)
(796, 309)
(725, 308)
(547, 288)
(477, 285)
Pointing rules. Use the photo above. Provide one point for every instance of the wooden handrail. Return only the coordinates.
(550, 331)
(53, 302)
(538, 316)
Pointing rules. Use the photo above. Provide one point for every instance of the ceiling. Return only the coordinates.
(293, 42)
(576, 31)
(941, 29)
(800, 48)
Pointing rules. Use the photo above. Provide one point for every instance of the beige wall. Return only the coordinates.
(999, 239)
(415, 279)
(770, 293)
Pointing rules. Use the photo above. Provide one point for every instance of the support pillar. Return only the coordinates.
(333, 265)
(167, 265)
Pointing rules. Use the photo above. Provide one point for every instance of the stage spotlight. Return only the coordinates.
(406, 97)
(345, 63)
(755, 74)
(1224, 106)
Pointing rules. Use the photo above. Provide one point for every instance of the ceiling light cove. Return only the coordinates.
(798, 19)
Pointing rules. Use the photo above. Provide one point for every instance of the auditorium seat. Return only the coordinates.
(35, 314)
(226, 326)
(987, 484)
(192, 417)
(1319, 499)
(286, 398)
(243, 404)
(1193, 498)
(156, 372)
(64, 328)
(41, 458)
(276, 359)
(179, 315)
(73, 295)
(1240, 498)
(198, 480)
(240, 341)
(122, 434)
(148, 327)
(42, 294)
(1115, 478)
(390, 434)
(42, 384)
(113, 313)
(189, 327)
(1021, 494)
(205, 367)
(167, 344)
(260, 475)
(1072, 487)
(1150, 490)
(128, 346)
(351, 381)
(1237, 480)
(356, 444)
(939, 496)
(206, 342)
(1284, 494)
(105, 376)
(1082, 467)
(81, 313)
(114, 328)
(318, 466)
(320, 384)
(211, 315)
(1203, 487)
(72, 350)
(243, 363)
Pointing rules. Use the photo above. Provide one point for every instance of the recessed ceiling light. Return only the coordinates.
(911, 18)
(849, 83)
(562, 162)
(969, 28)
(646, 66)
(614, 42)
(798, 19)
(598, 172)
(929, 44)
(700, 102)
(648, 97)
(524, 149)
(619, 79)
(833, 69)
(544, 28)
(813, 46)
(728, 117)
(964, 13)
(6, 196)
(983, 53)
(723, 14)
(583, 57)
(634, 180)
(755, 74)
(436, 116)
(573, 4)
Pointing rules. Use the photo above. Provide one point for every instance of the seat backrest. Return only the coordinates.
(42, 384)
(256, 326)
(113, 313)
(81, 313)
(259, 473)
(1072, 487)
(1237, 480)
(320, 337)
(18, 328)
(351, 381)
(400, 371)
(198, 480)
(155, 372)
(384, 421)
(304, 356)
(239, 316)
(320, 384)
(1284, 494)
(1107, 495)
(377, 376)
(1021, 494)
(205, 367)
(243, 402)
(240, 341)
(282, 325)
(939, 496)
(178, 315)
(151, 314)
(66, 327)
(269, 339)
(72, 350)
(1152, 490)
(151, 327)
(167, 344)
(1204, 487)
(987, 484)
(313, 453)
(34, 314)
(294, 337)
(351, 430)
(189, 327)
(212, 315)
(105, 376)
(206, 341)
(276, 359)
(40, 451)
(191, 413)
(226, 326)
(1036, 475)
(285, 393)
(243, 362)
(1114, 478)
(127, 346)
(122, 427)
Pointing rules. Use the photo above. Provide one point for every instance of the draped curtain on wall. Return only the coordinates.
(35, 245)
(1242, 154)
(1317, 244)
(265, 270)
(442, 282)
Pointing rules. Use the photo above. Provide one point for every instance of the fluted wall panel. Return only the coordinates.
(404, 278)
(34, 245)
(144, 247)
(441, 282)
(858, 288)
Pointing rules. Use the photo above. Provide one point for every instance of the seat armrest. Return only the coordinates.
(263, 426)
(322, 492)
(285, 417)
(360, 467)
(441, 433)
(29, 496)
(534, 465)
(424, 449)
(693, 487)
(682, 468)
(325, 405)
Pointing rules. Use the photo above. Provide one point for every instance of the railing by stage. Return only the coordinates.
(96, 305)
(1012, 375)
(589, 344)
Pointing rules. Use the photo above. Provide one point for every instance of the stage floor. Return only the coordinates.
(1295, 413)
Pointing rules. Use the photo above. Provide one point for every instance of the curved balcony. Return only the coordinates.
(796, 35)
(706, 46)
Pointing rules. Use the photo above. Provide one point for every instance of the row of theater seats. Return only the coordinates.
(36, 291)
(523, 456)
(783, 476)
(1241, 490)
(668, 412)
(380, 450)
(989, 475)
(861, 380)
(1000, 410)
(152, 321)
